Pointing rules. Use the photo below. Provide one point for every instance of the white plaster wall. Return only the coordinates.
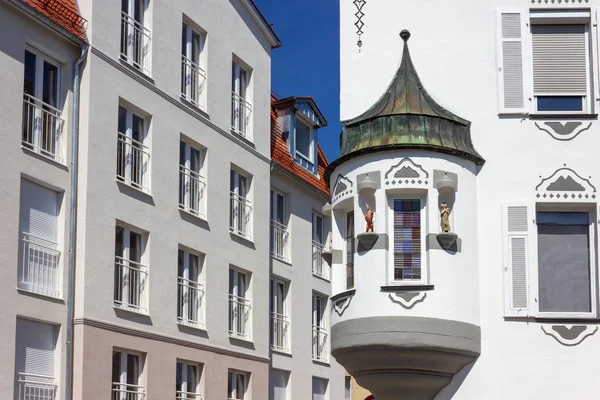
(453, 47)
(19, 163)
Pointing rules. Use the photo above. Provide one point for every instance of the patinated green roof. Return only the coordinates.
(406, 117)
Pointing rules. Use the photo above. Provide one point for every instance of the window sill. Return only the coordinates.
(200, 217)
(322, 277)
(562, 115)
(194, 106)
(344, 294)
(244, 138)
(240, 337)
(241, 236)
(131, 310)
(40, 295)
(281, 260)
(192, 325)
(567, 319)
(321, 362)
(287, 353)
(135, 69)
(45, 157)
(407, 288)
(145, 192)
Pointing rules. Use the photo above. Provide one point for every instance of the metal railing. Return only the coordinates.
(189, 308)
(239, 317)
(280, 325)
(188, 396)
(133, 163)
(130, 285)
(319, 267)
(319, 340)
(36, 387)
(124, 391)
(240, 221)
(39, 269)
(135, 43)
(192, 190)
(280, 247)
(42, 128)
(193, 82)
(241, 115)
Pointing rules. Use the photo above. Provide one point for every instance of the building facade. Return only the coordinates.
(481, 267)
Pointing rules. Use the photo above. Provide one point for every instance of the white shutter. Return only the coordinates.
(35, 347)
(39, 211)
(559, 59)
(519, 258)
(511, 58)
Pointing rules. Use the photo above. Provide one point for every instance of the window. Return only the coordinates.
(135, 35)
(35, 360)
(280, 321)
(319, 388)
(131, 275)
(348, 386)
(550, 261)
(304, 140)
(279, 383)
(240, 321)
(279, 232)
(319, 267)
(319, 351)
(240, 221)
(188, 381)
(350, 250)
(241, 110)
(193, 66)
(39, 266)
(236, 385)
(192, 180)
(133, 156)
(190, 290)
(407, 240)
(559, 61)
(127, 376)
(42, 117)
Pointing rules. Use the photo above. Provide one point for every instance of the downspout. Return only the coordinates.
(72, 224)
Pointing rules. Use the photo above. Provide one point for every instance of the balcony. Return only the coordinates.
(239, 318)
(133, 163)
(123, 391)
(42, 128)
(39, 270)
(130, 285)
(280, 326)
(280, 246)
(187, 396)
(240, 221)
(193, 83)
(192, 192)
(36, 387)
(189, 308)
(319, 267)
(241, 116)
(135, 43)
(319, 340)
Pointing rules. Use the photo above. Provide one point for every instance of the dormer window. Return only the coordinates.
(304, 140)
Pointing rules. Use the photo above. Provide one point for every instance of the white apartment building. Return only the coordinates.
(500, 123)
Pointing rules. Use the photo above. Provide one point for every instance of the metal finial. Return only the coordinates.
(405, 35)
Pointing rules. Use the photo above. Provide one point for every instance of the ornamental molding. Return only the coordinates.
(359, 4)
(559, 2)
(408, 299)
(569, 335)
(342, 304)
(343, 188)
(565, 185)
(406, 173)
(563, 131)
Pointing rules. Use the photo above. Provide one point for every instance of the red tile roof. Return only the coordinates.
(280, 154)
(63, 12)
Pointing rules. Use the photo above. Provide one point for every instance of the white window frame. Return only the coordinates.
(193, 391)
(235, 194)
(316, 215)
(142, 308)
(391, 196)
(284, 316)
(193, 181)
(247, 296)
(187, 283)
(320, 323)
(140, 29)
(126, 138)
(280, 234)
(241, 98)
(123, 376)
(234, 375)
(302, 119)
(194, 67)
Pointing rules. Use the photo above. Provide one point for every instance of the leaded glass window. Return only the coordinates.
(407, 239)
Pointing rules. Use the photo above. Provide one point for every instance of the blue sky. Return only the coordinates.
(308, 63)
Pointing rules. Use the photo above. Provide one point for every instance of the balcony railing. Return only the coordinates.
(123, 391)
(280, 247)
(36, 387)
(239, 317)
(135, 43)
(189, 309)
(192, 192)
(130, 285)
(193, 82)
(39, 269)
(133, 163)
(280, 325)
(319, 267)
(42, 128)
(187, 396)
(241, 115)
(240, 221)
(319, 351)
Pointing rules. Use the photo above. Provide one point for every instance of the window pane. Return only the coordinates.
(194, 270)
(50, 89)
(116, 367)
(133, 369)
(280, 209)
(184, 40)
(122, 120)
(562, 103)
(196, 48)
(407, 239)
(137, 132)
(303, 139)
(29, 83)
(563, 259)
(180, 256)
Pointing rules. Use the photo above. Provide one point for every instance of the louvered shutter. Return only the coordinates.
(35, 348)
(511, 58)
(39, 210)
(559, 60)
(519, 258)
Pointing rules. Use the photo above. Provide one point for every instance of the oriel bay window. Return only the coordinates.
(133, 156)
(130, 275)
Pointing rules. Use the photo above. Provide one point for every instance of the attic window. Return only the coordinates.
(304, 140)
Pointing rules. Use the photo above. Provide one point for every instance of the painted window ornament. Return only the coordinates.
(444, 215)
(359, 23)
(369, 218)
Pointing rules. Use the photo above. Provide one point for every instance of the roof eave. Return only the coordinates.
(280, 168)
(263, 24)
(290, 101)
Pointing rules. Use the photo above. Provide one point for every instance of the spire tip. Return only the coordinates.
(405, 35)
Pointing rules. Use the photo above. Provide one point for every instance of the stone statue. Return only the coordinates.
(444, 214)
(369, 218)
